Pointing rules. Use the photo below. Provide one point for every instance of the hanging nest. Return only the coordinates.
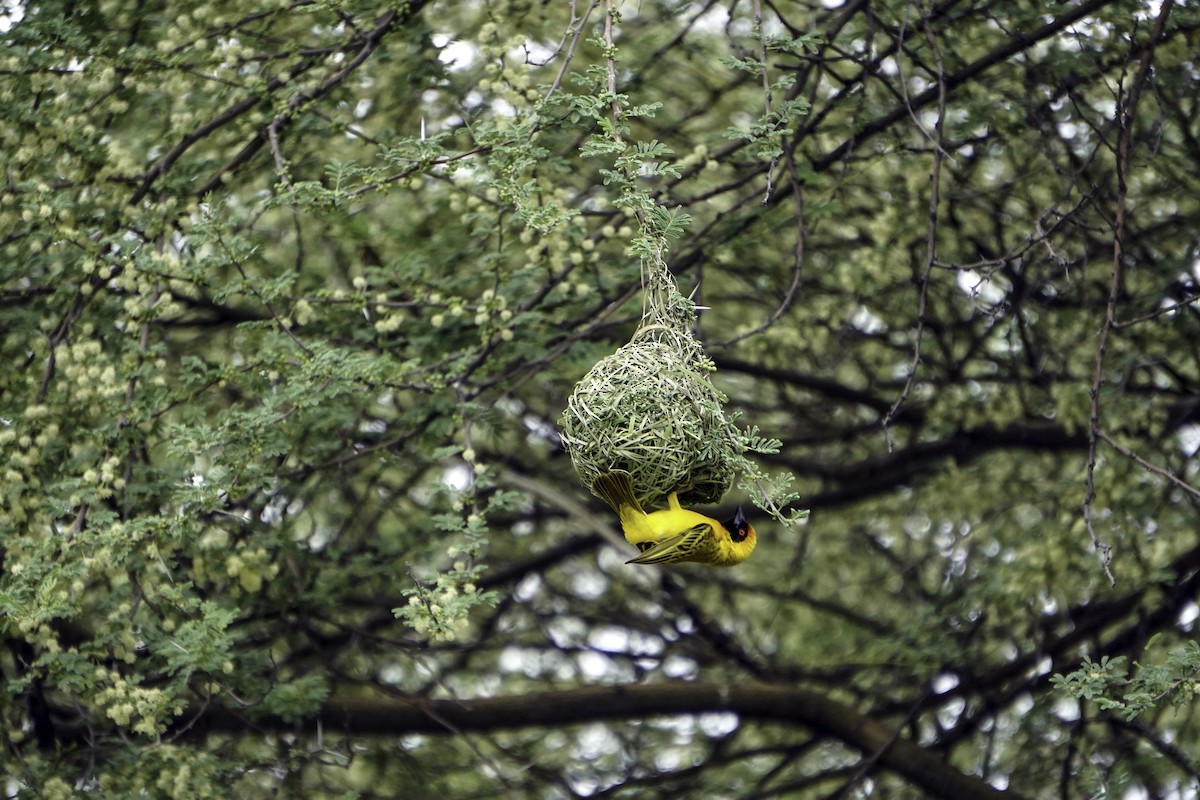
(651, 410)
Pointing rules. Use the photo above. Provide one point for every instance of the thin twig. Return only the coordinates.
(766, 84)
(797, 264)
(276, 318)
(1124, 118)
(1158, 312)
(277, 151)
(871, 759)
(1146, 465)
(902, 81)
(611, 66)
(935, 176)
(574, 32)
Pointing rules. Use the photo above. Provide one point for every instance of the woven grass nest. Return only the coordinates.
(651, 410)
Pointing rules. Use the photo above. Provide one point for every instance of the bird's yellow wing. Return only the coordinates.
(686, 546)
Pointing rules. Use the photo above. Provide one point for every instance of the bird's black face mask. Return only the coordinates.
(738, 526)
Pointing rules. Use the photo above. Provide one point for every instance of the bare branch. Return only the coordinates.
(935, 179)
(1157, 470)
(1125, 115)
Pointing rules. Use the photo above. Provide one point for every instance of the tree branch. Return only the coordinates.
(1018, 43)
(757, 701)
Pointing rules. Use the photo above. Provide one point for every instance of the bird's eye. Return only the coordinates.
(737, 526)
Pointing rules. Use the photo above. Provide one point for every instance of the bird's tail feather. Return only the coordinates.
(616, 489)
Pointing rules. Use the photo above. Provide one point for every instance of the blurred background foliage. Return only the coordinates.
(292, 297)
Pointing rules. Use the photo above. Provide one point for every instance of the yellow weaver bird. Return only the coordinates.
(675, 533)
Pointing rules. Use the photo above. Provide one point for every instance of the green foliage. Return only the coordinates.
(439, 607)
(1094, 680)
(1111, 686)
(292, 297)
